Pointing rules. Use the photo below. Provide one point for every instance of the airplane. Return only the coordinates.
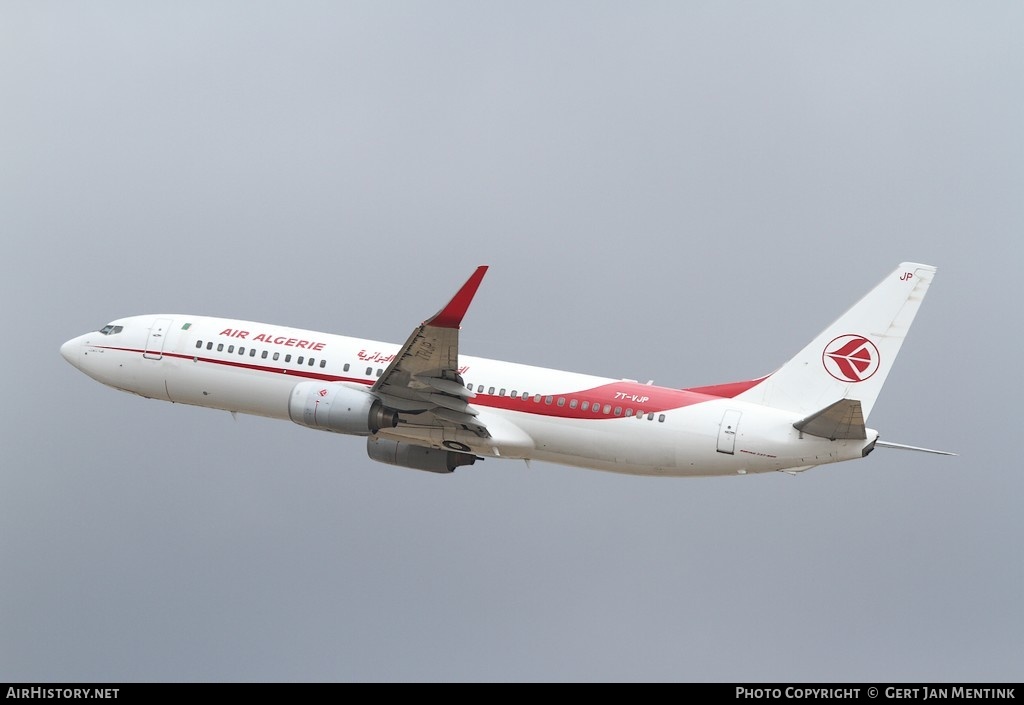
(426, 406)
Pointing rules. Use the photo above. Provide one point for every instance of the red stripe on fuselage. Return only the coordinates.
(636, 397)
(727, 390)
(311, 373)
(614, 396)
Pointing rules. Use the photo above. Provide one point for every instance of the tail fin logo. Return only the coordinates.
(851, 358)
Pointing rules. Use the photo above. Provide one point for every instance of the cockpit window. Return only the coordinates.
(111, 329)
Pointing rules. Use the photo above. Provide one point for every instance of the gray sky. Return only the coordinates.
(678, 191)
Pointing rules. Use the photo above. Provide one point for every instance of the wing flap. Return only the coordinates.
(424, 377)
(446, 386)
(456, 417)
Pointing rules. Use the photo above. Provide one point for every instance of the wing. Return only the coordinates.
(423, 380)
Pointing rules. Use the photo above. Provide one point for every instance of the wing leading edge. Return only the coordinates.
(424, 379)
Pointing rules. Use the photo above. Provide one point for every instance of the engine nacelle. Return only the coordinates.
(328, 406)
(408, 455)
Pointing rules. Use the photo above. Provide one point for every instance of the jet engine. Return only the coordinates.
(335, 407)
(408, 455)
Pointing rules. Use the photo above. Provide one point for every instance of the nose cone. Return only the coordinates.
(69, 351)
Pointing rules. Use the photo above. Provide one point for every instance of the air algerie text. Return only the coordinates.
(273, 339)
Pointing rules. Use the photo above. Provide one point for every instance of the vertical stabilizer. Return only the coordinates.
(851, 358)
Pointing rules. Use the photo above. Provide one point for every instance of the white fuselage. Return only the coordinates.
(532, 413)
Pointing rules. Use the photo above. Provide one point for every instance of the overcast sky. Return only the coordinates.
(679, 191)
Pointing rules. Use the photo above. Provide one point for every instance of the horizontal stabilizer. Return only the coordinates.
(841, 420)
(900, 446)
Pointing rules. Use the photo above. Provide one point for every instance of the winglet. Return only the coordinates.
(451, 315)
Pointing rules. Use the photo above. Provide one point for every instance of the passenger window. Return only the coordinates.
(380, 371)
(277, 356)
(536, 399)
(252, 352)
(618, 411)
(561, 401)
(514, 394)
(209, 346)
(661, 418)
(220, 347)
(288, 357)
(490, 390)
(264, 355)
(480, 389)
(572, 403)
(501, 392)
(585, 405)
(548, 400)
(650, 417)
(629, 412)
(526, 395)
(300, 360)
(323, 363)
(199, 344)
(241, 350)
(345, 368)
(607, 408)
(311, 361)
(231, 348)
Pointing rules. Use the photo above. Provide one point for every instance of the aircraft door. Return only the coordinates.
(154, 349)
(727, 431)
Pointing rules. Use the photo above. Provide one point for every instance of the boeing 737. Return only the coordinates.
(426, 406)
